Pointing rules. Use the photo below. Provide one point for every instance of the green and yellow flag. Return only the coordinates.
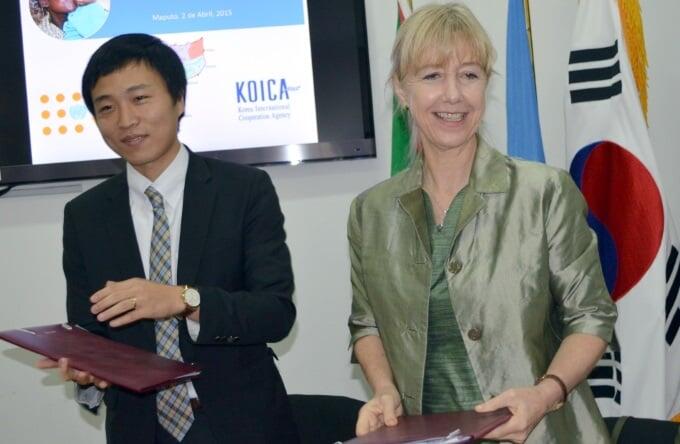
(400, 128)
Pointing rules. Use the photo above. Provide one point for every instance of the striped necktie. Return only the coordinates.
(173, 405)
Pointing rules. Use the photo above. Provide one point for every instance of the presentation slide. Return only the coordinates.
(248, 64)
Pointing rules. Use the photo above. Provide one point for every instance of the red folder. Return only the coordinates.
(123, 365)
(470, 426)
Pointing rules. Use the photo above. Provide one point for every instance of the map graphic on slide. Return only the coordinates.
(192, 56)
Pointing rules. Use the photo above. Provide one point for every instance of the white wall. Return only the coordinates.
(36, 407)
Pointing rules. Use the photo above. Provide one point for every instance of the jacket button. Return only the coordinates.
(455, 267)
(232, 339)
(475, 334)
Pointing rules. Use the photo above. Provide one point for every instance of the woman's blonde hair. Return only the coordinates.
(431, 36)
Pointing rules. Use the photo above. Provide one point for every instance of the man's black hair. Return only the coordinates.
(127, 49)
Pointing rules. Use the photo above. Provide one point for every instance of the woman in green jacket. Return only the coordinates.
(476, 279)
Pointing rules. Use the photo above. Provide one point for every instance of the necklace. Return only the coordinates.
(440, 209)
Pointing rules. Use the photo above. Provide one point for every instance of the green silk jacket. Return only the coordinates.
(524, 274)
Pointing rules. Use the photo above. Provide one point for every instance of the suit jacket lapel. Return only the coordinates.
(122, 231)
(489, 175)
(125, 251)
(411, 201)
(199, 199)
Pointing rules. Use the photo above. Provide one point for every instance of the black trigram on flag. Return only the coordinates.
(594, 74)
(672, 305)
(605, 380)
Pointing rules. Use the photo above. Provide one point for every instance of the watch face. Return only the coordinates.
(192, 297)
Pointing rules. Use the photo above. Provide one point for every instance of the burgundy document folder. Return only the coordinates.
(123, 365)
(434, 428)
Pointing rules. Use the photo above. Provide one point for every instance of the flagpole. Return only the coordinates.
(530, 38)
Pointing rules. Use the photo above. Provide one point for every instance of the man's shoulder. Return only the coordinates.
(93, 197)
(224, 168)
(224, 172)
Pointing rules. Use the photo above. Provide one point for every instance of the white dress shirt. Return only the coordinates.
(170, 184)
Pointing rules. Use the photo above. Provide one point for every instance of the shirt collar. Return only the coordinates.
(489, 174)
(170, 183)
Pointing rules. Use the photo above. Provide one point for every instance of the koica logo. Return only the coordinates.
(256, 91)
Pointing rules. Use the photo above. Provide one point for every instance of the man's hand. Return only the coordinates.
(528, 406)
(128, 301)
(382, 410)
(70, 374)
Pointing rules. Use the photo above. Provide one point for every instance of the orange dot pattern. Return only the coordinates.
(61, 113)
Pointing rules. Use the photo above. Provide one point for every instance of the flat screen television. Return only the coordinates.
(270, 81)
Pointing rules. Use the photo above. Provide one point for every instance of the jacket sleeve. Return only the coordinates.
(263, 310)
(576, 279)
(361, 320)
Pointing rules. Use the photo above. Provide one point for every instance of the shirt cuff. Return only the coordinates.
(89, 396)
(194, 329)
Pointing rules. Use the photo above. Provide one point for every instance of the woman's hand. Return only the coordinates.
(382, 410)
(70, 374)
(528, 406)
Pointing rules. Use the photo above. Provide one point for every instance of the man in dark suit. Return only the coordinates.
(180, 255)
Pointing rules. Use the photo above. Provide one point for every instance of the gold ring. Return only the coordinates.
(134, 303)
